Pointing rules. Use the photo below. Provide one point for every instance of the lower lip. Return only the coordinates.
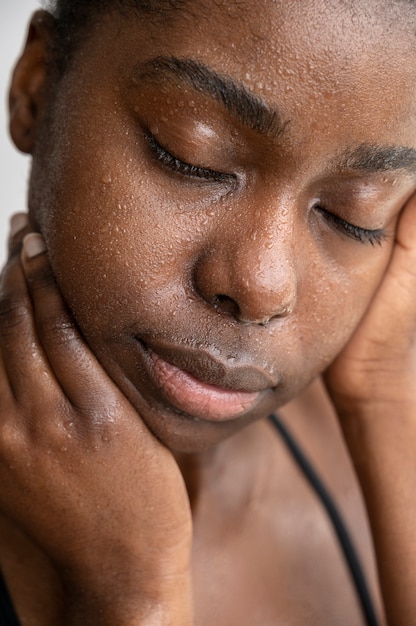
(191, 396)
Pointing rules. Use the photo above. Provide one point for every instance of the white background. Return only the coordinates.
(14, 17)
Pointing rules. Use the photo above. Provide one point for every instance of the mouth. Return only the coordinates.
(234, 392)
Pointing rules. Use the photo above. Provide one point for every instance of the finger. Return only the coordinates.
(19, 227)
(405, 251)
(398, 290)
(12, 283)
(77, 370)
(23, 359)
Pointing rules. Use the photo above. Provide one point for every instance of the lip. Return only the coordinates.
(199, 385)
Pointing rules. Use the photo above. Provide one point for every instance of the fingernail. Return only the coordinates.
(33, 244)
(18, 222)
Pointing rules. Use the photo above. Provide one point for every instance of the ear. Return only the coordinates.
(26, 99)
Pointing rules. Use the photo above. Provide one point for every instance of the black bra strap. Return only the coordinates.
(341, 531)
(8, 616)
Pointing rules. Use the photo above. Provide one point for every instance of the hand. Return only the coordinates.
(378, 366)
(373, 386)
(79, 471)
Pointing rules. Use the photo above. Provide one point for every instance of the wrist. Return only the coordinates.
(381, 438)
(167, 605)
(130, 591)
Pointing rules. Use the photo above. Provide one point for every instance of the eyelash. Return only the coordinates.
(363, 235)
(181, 167)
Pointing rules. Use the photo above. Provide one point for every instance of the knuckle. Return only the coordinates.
(14, 312)
(41, 278)
(57, 329)
(13, 444)
(28, 430)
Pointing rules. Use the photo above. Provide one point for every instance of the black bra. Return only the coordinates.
(8, 616)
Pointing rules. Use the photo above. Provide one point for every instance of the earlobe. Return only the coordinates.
(26, 99)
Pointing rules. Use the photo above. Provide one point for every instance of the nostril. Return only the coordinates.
(226, 305)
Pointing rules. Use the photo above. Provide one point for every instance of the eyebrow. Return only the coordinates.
(373, 159)
(250, 109)
(253, 112)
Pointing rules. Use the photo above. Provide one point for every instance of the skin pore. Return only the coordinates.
(219, 194)
(247, 262)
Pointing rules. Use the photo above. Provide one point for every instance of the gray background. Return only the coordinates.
(14, 17)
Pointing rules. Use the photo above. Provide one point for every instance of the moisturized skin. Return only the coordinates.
(219, 193)
(231, 276)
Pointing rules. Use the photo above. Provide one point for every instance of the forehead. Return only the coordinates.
(351, 61)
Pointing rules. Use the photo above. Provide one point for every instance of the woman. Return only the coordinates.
(221, 212)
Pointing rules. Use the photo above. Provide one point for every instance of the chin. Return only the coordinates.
(182, 433)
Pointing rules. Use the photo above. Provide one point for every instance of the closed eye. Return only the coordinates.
(363, 235)
(183, 168)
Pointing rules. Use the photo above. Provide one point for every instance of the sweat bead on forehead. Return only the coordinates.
(220, 182)
(322, 45)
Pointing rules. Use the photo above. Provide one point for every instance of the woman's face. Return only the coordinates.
(219, 191)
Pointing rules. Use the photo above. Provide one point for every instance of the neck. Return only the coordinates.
(230, 471)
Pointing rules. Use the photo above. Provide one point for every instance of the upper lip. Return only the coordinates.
(213, 370)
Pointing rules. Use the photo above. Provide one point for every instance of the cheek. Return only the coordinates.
(114, 247)
(333, 307)
(118, 263)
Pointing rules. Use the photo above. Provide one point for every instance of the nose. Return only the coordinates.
(250, 276)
